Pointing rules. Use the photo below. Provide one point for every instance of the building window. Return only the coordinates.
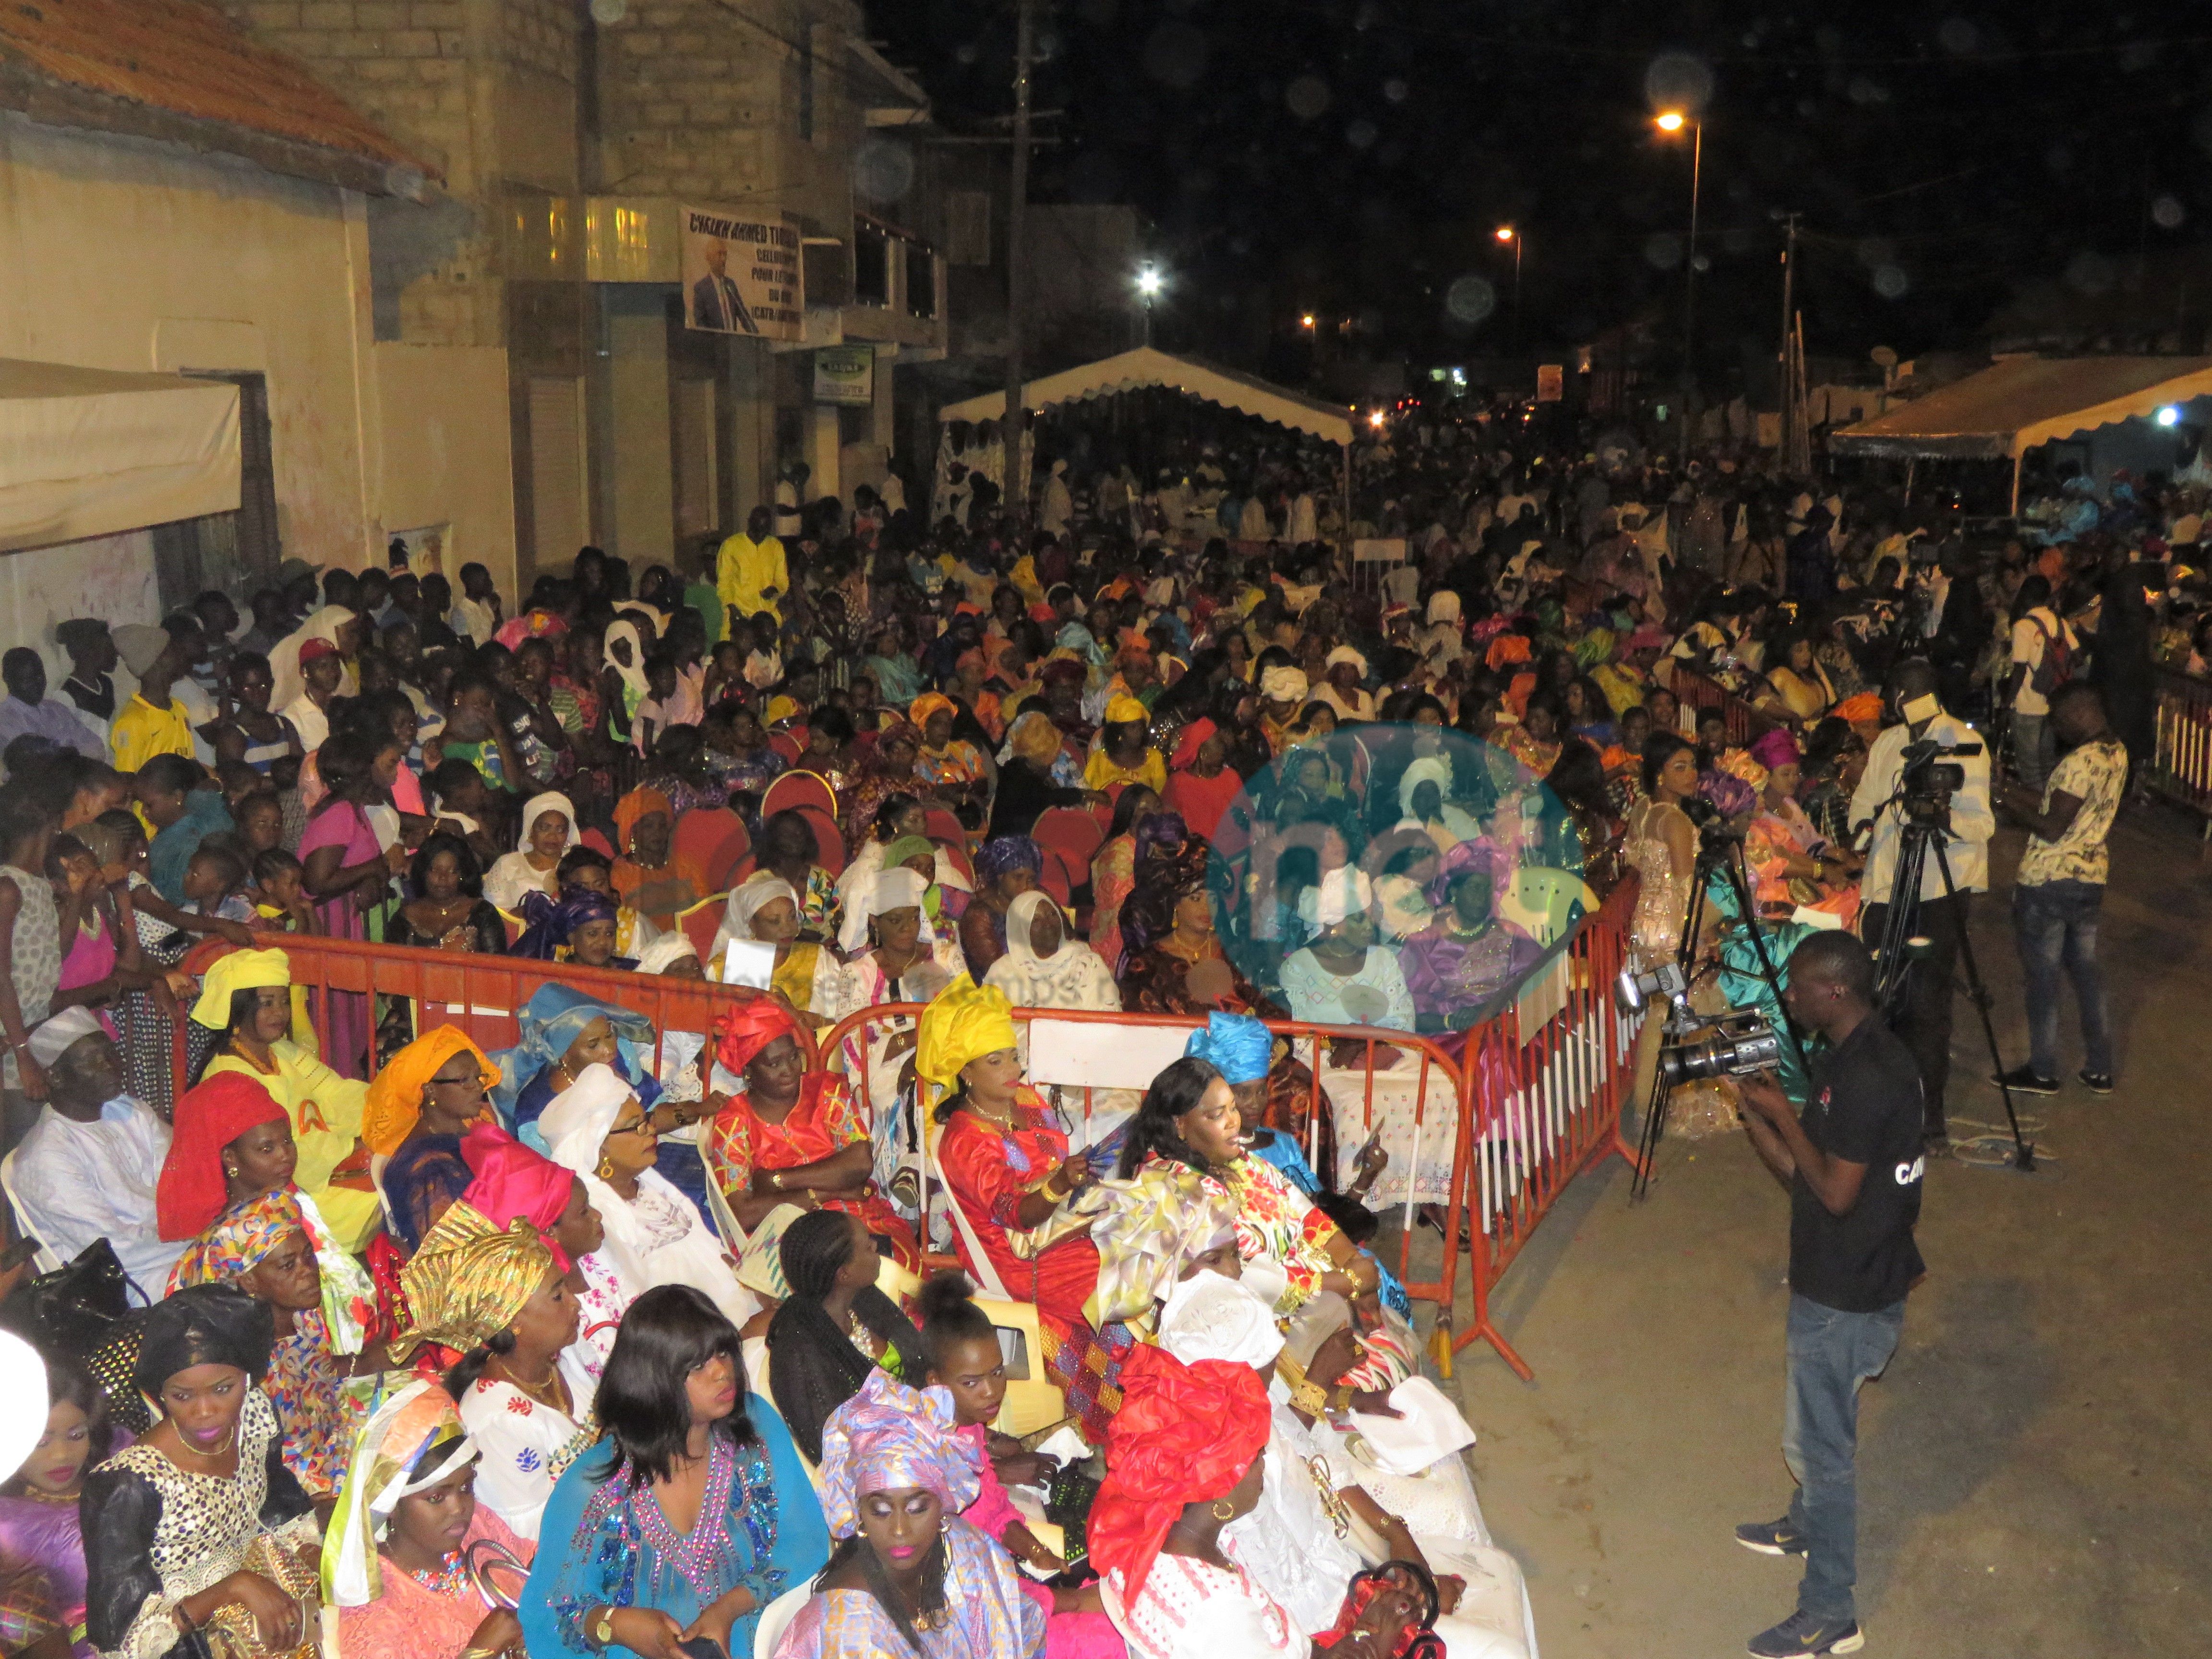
(236, 551)
(872, 266)
(921, 279)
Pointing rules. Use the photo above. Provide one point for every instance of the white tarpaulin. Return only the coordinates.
(2013, 406)
(91, 451)
(1135, 370)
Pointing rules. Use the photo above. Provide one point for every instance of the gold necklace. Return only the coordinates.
(230, 1443)
(546, 1393)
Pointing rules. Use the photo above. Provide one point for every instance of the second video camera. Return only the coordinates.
(1742, 1044)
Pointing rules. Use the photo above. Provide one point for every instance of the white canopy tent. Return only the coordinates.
(2016, 404)
(91, 451)
(1145, 367)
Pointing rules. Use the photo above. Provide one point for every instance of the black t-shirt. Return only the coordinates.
(1864, 1108)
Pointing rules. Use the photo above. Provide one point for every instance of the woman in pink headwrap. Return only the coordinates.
(1795, 867)
(1201, 786)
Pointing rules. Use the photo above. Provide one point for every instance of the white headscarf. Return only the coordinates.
(1283, 684)
(1074, 977)
(52, 1038)
(577, 1123)
(552, 801)
(1444, 606)
(1428, 769)
(287, 683)
(1340, 894)
(888, 890)
(1210, 1317)
(665, 953)
(633, 675)
(754, 896)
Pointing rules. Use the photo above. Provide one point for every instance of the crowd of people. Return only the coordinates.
(633, 1330)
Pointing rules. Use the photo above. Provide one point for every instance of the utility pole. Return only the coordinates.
(1789, 400)
(1689, 292)
(1018, 483)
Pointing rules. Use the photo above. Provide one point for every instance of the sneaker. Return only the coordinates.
(1772, 1537)
(2023, 1081)
(2097, 1083)
(1800, 1636)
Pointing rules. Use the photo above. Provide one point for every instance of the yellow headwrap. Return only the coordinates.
(965, 1021)
(241, 971)
(395, 1094)
(469, 1280)
(1125, 708)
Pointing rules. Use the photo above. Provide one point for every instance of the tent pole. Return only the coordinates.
(1911, 463)
(2015, 484)
(1344, 551)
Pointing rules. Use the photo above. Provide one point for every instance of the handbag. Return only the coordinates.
(71, 1309)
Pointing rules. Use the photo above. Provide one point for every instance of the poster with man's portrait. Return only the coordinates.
(743, 275)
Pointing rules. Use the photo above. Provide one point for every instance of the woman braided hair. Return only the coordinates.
(813, 1365)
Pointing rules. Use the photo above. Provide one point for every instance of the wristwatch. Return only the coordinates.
(604, 1632)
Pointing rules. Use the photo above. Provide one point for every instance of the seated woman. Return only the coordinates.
(597, 1129)
(511, 1183)
(900, 817)
(398, 1553)
(1124, 754)
(446, 909)
(1044, 967)
(1457, 965)
(1797, 687)
(951, 768)
(789, 847)
(835, 1327)
(679, 1437)
(791, 1134)
(1183, 1460)
(262, 1247)
(1343, 977)
(765, 910)
(1006, 1165)
(651, 878)
(582, 927)
(1791, 862)
(1005, 869)
(1114, 869)
(910, 1574)
(198, 1532)
(549, 829)
(245, 1026)
(1189, 1125)
(1172, 962)
(425, 1099)
(499, 1299)
(41, 1521)
(564, 1030)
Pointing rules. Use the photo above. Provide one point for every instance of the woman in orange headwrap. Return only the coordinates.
(419, 1107)
(651, 878)
(793, 1135)
(1183, 1460)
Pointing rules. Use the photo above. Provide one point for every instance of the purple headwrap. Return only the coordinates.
(1480, 853)
(1776, 748)
(887, 1438)
(551, 924)
(1003, 854)
(1731, 795)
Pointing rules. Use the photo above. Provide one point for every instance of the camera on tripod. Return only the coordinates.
(1930, 778)
(1743, 1043)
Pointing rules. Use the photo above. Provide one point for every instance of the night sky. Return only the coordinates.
(1354, 158)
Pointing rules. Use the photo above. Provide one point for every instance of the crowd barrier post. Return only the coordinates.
(1546, 1081)
(2181, 758)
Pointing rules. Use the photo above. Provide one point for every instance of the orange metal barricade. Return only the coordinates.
(1426, 1056)
(2181, 764)
(1545, 1079)
(480, 993)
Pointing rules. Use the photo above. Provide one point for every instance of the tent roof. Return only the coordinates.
(1146, 368)
(2012, 406)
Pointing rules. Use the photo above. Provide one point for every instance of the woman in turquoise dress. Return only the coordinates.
(680, 1442)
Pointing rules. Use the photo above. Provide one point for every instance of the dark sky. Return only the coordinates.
(1356, 156)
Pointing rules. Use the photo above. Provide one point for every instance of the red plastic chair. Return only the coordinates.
(941, 824)
(734, 848)
(799, 789)
(1072, 830)
(786, 745)
(597, 842)
(702, 921)
(829, 839)
(701, 831)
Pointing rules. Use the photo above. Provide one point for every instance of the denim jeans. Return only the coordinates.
(2033, 746)
(2056, 924)
(1830, 1354)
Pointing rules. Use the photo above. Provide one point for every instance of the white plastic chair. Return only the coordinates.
(45, 1260)
(775, 1619)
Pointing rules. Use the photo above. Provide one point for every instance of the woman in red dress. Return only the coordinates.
(1006, 1162)
(793, 1136)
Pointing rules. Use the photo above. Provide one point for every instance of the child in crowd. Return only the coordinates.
(216, 883)
(280, 894)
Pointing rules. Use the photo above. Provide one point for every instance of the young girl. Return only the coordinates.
(280, 894)
(964, 1360)
(99, 952)
(216, 883)
(38, 1523)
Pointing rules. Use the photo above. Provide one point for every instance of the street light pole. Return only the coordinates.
(1673, 121)
(1018, 483)
(1513, 233)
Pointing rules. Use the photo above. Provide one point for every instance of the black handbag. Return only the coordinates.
(71, 1309)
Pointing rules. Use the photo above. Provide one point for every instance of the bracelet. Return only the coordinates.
(1308, 1399)
(776, 1179)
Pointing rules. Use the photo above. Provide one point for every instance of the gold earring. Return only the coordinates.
(606, 1169)
(1224, 1510)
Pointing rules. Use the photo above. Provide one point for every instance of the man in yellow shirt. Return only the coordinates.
(750, 573)
(153, 722)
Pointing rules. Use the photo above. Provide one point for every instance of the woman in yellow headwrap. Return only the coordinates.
(1005, 1159)
(1124, 755)
(419, 1106)
(953, 768)
(244, 1024)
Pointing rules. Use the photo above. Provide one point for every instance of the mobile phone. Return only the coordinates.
(701, 1647)
(17, 1254)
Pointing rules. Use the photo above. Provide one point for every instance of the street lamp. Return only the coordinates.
(1507, 233)
(1671, 121)
(1149, 283)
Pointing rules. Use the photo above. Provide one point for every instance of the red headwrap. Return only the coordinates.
(513, 1182)
(1187, 746)
(743, 1031)
(190, 1193)
(1184, 1434)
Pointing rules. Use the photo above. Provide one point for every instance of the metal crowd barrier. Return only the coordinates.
(1696, 693)
(2181, 762)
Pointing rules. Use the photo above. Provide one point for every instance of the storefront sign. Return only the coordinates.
(845, 374)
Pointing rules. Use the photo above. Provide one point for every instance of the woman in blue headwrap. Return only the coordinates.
(1006, 866)
(580, 926)
(564, 1031)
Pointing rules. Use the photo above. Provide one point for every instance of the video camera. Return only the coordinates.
(1715, 832)
(1743, 1043)
(1637, 991)
(1931, 777)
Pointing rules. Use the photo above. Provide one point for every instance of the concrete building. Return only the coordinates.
(192, 384)
(571, 142)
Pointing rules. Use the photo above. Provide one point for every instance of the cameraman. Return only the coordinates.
(1925, 1021)
(1853, 1166)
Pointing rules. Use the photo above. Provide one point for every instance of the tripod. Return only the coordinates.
(1924, 832)
(1713, 855)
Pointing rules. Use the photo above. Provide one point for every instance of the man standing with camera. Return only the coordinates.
(1853, 1166)
(1924, 1023)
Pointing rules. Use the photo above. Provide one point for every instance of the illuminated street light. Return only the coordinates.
(1306, 322)
(1149, 284)
(1507, 233)
(1673, 121)
(1377, 419)
(2170, 415)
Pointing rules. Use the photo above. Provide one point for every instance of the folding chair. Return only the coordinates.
(799, 788)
